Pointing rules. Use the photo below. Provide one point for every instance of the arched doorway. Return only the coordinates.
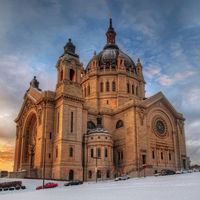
(71, 174)
(30, 134)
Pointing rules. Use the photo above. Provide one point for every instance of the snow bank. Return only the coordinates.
(183, 187)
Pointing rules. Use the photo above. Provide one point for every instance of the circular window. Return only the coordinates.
(160, 127)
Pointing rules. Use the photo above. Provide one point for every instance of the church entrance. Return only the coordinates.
(30, 134)
(71, 175)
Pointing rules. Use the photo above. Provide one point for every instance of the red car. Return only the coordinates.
(47, 185)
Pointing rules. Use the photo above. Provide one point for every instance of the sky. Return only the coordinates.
(165, 35)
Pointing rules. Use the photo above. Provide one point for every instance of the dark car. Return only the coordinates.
(166, 172)
(75, 182)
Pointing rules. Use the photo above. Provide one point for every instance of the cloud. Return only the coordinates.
(16, 73)
(164, 35)
(167, 80)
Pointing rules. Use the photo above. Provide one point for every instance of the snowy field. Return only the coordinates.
(176, 187)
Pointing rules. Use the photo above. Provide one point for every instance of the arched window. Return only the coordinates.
(136, 90)
(133, 89)
(56, 151)
(88, 90)
(107, 86)
(90, 125)
(72, 75)
(119, 124)
(128, 88)
(61, 75)
(113, 86)
(161, 155)
(89, 174)
(99, 152)
(71, 152)
(101, 87)
(170, 157)
(58, 121)
(72, 122)
(85, 91)
(91, 153)
(106, 152)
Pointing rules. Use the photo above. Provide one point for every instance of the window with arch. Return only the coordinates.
(72, 75)
(71, 152)
(89, 174)
(133, 89)
(106, 152)
(98, 152)
(85, 93)
(56, 151)
(72, 122)
(128, 87)
(119, 124)
(107, 86)
(88, 90)
(161, 155)
(101, 87)
(153, 155)
(58, 121)
(91, 153)
(136, 90)
(61, 75)
(113, 86)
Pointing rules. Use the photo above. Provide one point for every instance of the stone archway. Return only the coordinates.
(30, 134)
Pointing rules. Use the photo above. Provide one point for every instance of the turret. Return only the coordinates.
(69, 70)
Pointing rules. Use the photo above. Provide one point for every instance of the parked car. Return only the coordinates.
(122, 178)
(47, 186)
(165, 172)
(75, 182)
(157, 174)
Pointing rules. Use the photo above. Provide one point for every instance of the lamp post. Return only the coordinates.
(96, 157)
(44, 163)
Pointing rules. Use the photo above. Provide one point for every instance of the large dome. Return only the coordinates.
(110, 53)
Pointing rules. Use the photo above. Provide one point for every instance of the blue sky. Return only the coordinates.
(164, 34)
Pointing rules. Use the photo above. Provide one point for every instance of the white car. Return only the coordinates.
(122, 178)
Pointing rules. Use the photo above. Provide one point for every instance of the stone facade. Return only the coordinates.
(98, 122)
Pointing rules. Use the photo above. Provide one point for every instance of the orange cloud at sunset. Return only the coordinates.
(6, 156)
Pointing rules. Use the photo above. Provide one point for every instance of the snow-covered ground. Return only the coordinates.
(176, 187)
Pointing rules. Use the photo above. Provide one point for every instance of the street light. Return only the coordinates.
(96, 157)
(44, 163)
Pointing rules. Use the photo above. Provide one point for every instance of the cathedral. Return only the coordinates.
(97, 124)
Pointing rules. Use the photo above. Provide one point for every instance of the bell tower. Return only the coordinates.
(69, 70)
(68, 115)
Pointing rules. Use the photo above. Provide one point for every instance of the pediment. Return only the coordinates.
(31, 98)
(160, 100)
